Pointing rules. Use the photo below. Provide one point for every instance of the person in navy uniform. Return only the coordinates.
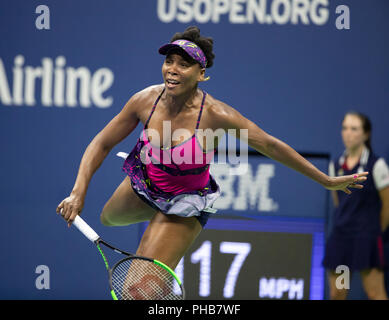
(361, 217)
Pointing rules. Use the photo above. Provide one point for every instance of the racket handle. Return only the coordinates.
(85, 229)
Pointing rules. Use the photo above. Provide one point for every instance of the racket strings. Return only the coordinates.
(138, 279)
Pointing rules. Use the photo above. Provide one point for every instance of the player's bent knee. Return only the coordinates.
(107, 216)
(111, 217)
(104, 220)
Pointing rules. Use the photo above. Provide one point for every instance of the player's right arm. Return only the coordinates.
(114, 132)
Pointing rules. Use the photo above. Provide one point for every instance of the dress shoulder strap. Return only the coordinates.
(201, 110)
(153, 108)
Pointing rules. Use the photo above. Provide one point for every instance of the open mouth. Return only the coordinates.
(172, 83)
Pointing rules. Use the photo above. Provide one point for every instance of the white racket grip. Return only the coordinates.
(88, 232)
(122, 155)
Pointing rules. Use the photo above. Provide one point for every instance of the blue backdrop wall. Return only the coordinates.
(285, 65)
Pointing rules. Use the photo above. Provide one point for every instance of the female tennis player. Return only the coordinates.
(359, 219)
(177, 196)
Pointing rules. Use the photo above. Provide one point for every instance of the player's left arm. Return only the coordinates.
(229, 118)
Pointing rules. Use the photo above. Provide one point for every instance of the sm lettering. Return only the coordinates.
(253, 190)
(276, 288)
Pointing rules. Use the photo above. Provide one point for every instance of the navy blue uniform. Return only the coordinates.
(356, 238)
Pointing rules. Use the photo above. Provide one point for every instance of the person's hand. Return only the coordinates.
(70, 207)
(345, 182)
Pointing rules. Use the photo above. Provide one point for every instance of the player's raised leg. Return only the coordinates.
(125, 207)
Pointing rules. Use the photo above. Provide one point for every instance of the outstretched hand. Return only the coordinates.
(345, 182)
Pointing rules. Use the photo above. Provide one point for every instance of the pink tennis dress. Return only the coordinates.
(174, 180)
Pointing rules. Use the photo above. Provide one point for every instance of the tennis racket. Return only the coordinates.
(135, 277)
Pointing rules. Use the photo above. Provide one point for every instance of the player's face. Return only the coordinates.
(352, 132)
(180, 75)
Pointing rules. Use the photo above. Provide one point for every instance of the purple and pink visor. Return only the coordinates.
(192, 49)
